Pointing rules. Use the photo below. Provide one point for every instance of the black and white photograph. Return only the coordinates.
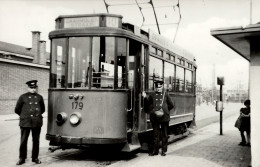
(129, 83)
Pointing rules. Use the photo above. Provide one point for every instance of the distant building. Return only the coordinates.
(236, 95)
(19, 64)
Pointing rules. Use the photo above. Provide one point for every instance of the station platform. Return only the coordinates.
(205, 147)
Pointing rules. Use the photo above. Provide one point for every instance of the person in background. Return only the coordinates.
(245, 124)
(30, 107)
(152, 103)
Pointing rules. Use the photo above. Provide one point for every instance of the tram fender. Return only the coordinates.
(134, 145)
(130, 147)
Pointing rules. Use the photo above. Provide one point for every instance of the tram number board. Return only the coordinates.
(81, 22)
(77, 105)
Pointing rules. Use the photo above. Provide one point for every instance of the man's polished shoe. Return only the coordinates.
(163, 154)
(152, 154)
(37, 161)
(20, 162)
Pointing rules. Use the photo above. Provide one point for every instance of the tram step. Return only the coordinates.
(130, 147)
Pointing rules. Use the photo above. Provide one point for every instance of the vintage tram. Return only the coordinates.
(99, 69)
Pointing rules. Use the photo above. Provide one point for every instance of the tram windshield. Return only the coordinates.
(89, 62)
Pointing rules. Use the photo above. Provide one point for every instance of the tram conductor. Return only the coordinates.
(154, 101)
(30, 107)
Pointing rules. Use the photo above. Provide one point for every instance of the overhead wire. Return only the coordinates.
(106, 4)
(140, 11)
(152, 7)
(177, 28)
(151, 2)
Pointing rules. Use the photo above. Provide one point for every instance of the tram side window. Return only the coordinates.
(179, 80)
(57, 78)
(188, 85)
(79, 58)
(168, 76)
(155, 71)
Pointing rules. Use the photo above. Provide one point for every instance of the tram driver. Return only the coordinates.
(152, 103)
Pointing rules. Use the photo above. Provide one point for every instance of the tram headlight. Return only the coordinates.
(61, 118)
(75, 118)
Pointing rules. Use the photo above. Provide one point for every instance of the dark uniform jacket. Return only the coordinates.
(153, 102)
(245, 121)
(30, 107)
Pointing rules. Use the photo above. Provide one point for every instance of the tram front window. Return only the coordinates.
(105, 49)
(93, 62)
(79, 59)
(58, 63)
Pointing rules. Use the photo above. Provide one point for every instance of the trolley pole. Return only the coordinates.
(219, 104)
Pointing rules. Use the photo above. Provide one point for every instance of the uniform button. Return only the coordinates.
(30, 103)
(31, 115)
(37, 109)
(35, 102)
(30, 97)
(35, 96)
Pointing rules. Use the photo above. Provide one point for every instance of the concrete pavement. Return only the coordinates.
(204, 148)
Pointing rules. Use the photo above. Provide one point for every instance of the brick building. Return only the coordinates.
(19, 64)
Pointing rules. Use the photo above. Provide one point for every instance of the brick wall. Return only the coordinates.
(12, 84)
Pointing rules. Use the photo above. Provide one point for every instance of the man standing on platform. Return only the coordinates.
(30, 107)
(159, 99)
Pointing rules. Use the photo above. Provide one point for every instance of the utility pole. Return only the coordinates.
(219, 104)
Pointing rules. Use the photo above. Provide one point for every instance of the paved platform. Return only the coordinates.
(204, 148)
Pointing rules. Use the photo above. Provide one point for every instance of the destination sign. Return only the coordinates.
(81, 22)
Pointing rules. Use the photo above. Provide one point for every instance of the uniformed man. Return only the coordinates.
(152, 103)
(30, 107)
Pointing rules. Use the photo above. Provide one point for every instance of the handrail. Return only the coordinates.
(131, 101)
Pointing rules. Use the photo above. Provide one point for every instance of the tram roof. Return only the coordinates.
(88, 15)
(238, 38)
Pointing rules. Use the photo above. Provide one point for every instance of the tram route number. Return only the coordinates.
(77, 105)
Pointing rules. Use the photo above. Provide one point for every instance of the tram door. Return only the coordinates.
(137, 59)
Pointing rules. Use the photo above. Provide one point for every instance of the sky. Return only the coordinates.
(19, 17)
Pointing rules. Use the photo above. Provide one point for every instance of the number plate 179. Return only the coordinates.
(77, 105)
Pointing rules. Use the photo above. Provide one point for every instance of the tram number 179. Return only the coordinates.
(77, 105)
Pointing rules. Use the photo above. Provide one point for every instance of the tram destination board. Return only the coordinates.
(88, 21)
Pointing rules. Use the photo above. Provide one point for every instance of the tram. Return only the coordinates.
(99, 69)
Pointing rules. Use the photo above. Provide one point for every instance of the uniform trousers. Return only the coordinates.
(156, 136)
(25, 132)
